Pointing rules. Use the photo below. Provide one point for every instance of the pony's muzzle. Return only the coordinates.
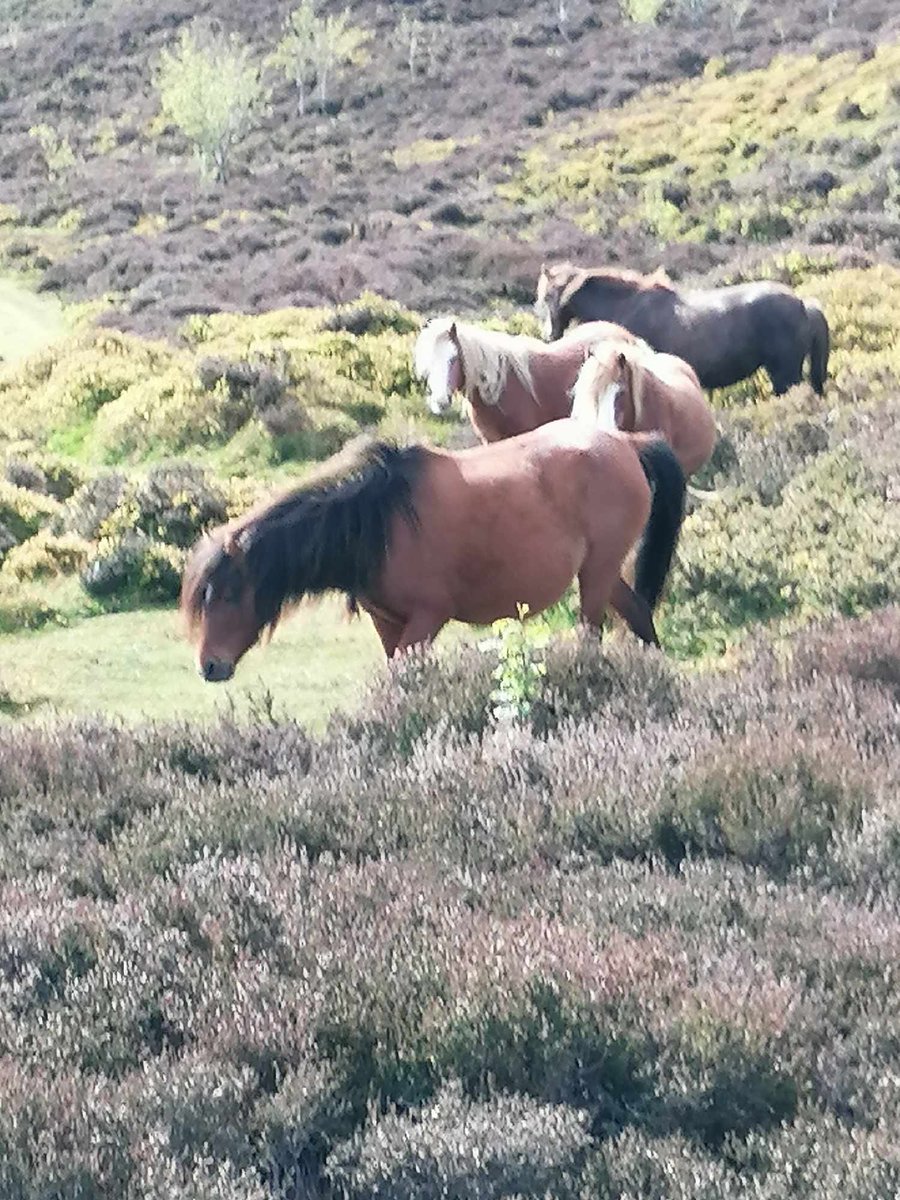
(215, 670)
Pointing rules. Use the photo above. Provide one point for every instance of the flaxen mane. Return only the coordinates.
(599, 372)
(329, 534)
(487, 357)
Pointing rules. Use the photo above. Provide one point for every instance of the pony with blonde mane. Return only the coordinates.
(511, 383)
(633, 389)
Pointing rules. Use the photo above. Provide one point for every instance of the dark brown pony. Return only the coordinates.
(417, 537)
(724, 333)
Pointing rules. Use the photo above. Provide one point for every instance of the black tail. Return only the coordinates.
(666, 479)
(819, 348)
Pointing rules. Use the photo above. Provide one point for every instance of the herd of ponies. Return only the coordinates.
(587, 441)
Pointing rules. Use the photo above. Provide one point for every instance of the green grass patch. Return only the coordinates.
(136, 664)
(28, 322)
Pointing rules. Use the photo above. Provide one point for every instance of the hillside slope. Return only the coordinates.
(396, 189)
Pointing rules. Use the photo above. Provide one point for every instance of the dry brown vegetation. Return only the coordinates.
(394, 188)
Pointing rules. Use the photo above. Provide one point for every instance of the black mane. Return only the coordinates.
(329, 534)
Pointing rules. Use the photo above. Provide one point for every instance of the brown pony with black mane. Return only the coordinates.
(726, 334)
(417, 537)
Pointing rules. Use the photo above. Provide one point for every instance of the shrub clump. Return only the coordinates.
(467, 1149)
(776, 806)
(133, 567)
(23, 512)
(47, 555)
(371, 314)
(43, 473)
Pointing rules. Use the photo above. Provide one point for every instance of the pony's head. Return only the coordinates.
(556, 286)
(438, 361)
(607, 392)
(331, 533)
(221, 607)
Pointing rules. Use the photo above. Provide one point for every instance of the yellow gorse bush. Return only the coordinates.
(716, 128)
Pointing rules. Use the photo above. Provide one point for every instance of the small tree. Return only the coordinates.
(411, 31)
(58, 154)
(211, 90)
(314, 48)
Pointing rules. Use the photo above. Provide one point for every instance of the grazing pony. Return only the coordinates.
(724, 333)
(512, 383)
(417, 537)
(634, 389)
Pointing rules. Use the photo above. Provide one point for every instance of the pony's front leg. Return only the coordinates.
(420, 630)
(389, 633)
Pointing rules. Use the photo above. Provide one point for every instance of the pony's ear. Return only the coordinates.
(622, 360)
(233, 548)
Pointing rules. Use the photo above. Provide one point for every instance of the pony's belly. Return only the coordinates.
(536, 581)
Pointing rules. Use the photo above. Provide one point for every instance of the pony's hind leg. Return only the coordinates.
(634, 611)
(596, 584)
(785, 372)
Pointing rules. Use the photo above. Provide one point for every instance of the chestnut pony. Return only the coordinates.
(512, 383)
(725, 333)
(632, 388)
(417, 537)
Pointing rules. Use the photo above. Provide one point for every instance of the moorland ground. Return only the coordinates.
(644, 940)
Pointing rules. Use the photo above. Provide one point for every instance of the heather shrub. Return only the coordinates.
(422, 692)
(199, 1106)
(635, 1163)
(548, 1041)
(174, 503)
(371, 314)
(92, 505)
(23, 474)
(867, 651)
(774, 806)
(510, 1145)
(615, 678)
(259, 384)
(60, 1135)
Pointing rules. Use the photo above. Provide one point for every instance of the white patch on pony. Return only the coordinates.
(439, 393)
(606, 407)
(434, 357)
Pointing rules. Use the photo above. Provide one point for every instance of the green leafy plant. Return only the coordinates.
(210, 88)
(58, 154)
(520, 668)
(315, 48)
